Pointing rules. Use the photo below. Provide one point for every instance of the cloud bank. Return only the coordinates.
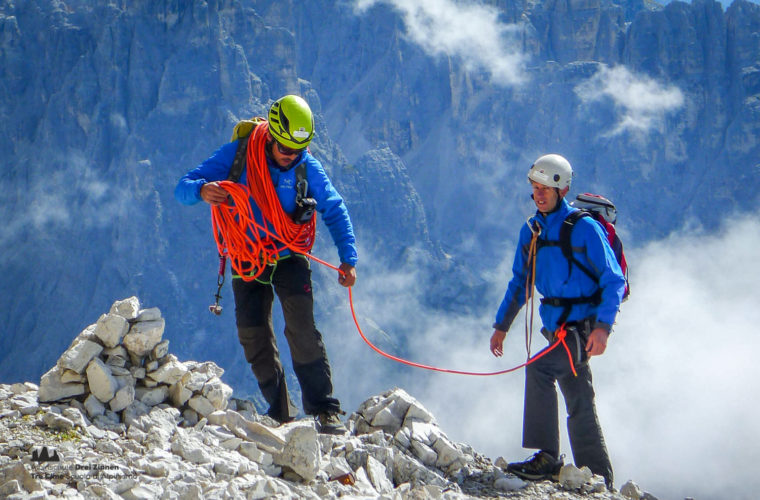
(468, 32)
(642, 102)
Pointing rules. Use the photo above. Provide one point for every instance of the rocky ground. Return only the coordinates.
(119, 417)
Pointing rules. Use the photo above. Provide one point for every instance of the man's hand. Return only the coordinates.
(348, 275)
(597, 342)
(497, 342)
(213, 194)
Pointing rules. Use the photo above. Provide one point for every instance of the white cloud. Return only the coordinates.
(642, 102)
(468, 32)
(675, 389)
(71, 194)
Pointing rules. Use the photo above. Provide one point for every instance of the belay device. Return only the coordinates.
(304, 206)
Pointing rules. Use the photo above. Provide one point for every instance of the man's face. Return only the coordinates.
(545, 197)
(283, 155)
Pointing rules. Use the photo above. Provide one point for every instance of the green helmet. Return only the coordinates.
(291, 122)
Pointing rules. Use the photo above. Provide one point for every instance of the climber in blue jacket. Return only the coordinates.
(587, 308)
(289, 130)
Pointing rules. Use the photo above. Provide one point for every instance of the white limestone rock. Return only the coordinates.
(150, 314)
(122, 398)
(100, 380)
(179, 394)
(217, 392)
(508, 482)
(127, 308)
(573, 478)
(190, 448)
(79, 354)
(52, 389)
(15, 471)
(161, 350)
(94, 406)
(152, 396)
(302, 451)
(57, 422)
(195, 380)
(266, 438)
(70, 376)
(169, 373)
(202, 405)
(448, 453)
(111, 328)
(631, 490)
(134, 411)
(143, 336)
(424, 453)
(378, 475)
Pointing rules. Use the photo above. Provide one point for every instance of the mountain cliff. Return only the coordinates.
(427, 122)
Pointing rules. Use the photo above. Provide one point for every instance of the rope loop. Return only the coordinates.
(251, 245)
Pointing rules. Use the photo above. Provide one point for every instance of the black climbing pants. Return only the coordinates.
(291, 281)
(541, 413)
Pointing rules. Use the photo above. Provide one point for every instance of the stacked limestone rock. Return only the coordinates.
(120, 367)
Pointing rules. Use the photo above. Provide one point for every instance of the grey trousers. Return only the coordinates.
(291, 281)
(541, 413)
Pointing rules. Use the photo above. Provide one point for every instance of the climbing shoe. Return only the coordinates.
(329, 423)
(541, 465)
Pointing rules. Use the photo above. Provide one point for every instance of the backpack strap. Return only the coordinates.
(242, 132)
(238, 164)
(565, 243)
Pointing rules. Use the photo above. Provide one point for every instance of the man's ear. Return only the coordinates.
(563, 191)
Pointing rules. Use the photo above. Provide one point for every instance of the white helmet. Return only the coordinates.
(552, 170)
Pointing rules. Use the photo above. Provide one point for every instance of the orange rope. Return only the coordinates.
(530, 282)
(234, 224)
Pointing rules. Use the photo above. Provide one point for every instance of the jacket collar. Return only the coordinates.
(562, 210)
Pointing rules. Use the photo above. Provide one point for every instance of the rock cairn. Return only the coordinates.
(120, 367)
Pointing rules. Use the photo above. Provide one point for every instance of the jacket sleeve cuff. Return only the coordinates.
(605, 326)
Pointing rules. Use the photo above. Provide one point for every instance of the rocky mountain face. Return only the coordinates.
(105, 105)
(448, 124)
(87, 432)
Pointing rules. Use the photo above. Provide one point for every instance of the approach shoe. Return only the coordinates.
(329, 423)
(541, 465)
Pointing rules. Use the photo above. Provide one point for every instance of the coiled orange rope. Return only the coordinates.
(238, 235)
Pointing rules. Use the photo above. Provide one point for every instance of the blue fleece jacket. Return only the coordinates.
(329, 202)
(591, 248)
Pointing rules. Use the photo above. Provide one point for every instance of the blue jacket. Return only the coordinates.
(591, 248)
(329, 203)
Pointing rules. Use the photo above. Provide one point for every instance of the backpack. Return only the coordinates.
(241, 131)
(604, 212)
